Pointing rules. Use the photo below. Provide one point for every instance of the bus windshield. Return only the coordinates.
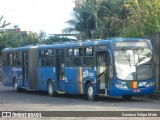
(133, 64)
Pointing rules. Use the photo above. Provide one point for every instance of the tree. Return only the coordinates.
(117, 18)
(144, 18)
(111, 15)
(18, 39)
(3, 24)
(106, 17)
(41, 35)
(92, 7)
(55, 39)
(80, 23)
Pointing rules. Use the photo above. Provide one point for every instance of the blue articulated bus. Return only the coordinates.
(114, 67)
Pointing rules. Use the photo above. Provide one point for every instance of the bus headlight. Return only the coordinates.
(150, 84)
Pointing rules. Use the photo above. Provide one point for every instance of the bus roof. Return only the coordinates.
(75, 44)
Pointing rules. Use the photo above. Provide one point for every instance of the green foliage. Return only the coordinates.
(120, 18)
(144, 18)
(113, 15)
(80, 23)
(107, 17)
(42, 35)
(14, 38)
(3, 23)
(10, 38)
(54, 39)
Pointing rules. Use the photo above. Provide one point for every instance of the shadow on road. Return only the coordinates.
(82, 97)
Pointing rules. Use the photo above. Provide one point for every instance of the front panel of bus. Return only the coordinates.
(133, 68)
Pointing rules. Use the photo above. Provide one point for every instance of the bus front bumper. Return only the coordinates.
(114, 91)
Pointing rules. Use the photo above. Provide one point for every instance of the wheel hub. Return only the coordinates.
(50, 88)
(90, 91)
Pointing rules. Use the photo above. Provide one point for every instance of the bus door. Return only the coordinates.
(101, 67)
(25, 63)
(60, 69)
(33, 68)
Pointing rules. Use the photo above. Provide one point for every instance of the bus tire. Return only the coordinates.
(90, 92)
(50, 87)
(127, 97)
(15, 86)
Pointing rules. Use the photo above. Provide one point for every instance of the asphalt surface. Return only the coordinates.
(40, 101)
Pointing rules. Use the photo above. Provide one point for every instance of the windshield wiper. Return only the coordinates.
(144, 59)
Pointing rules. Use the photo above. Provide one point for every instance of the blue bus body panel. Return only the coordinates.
(44, 74)
(75, 78)
(7, 76)
(9, 73)
(71, 79)
(89, 74)
(117, 90)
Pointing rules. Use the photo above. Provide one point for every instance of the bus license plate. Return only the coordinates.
(136, 90)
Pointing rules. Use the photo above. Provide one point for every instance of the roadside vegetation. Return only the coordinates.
(95, 19)
(115, 18)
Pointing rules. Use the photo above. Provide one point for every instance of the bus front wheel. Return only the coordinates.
(50, 88)
(127, 97)
(90, 92)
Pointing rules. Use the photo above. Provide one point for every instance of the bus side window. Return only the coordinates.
(46, 58)
(88, 61)
(43, 63)
(19, 58)
(88, 51)
(101, 59)
(69, 62)
(101, 62)
(78, 52)
(49, 58)
(14, 59)
(4, 59)
(77, 61)
(42, 58)
(9, 59)
(70, 52)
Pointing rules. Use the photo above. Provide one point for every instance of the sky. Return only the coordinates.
(35, 15)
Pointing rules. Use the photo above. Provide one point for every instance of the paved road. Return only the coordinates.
(40, 101)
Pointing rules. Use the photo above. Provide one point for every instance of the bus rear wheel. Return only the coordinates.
(127, 97)
(50, 88)
(90, 92)
(15, 87)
